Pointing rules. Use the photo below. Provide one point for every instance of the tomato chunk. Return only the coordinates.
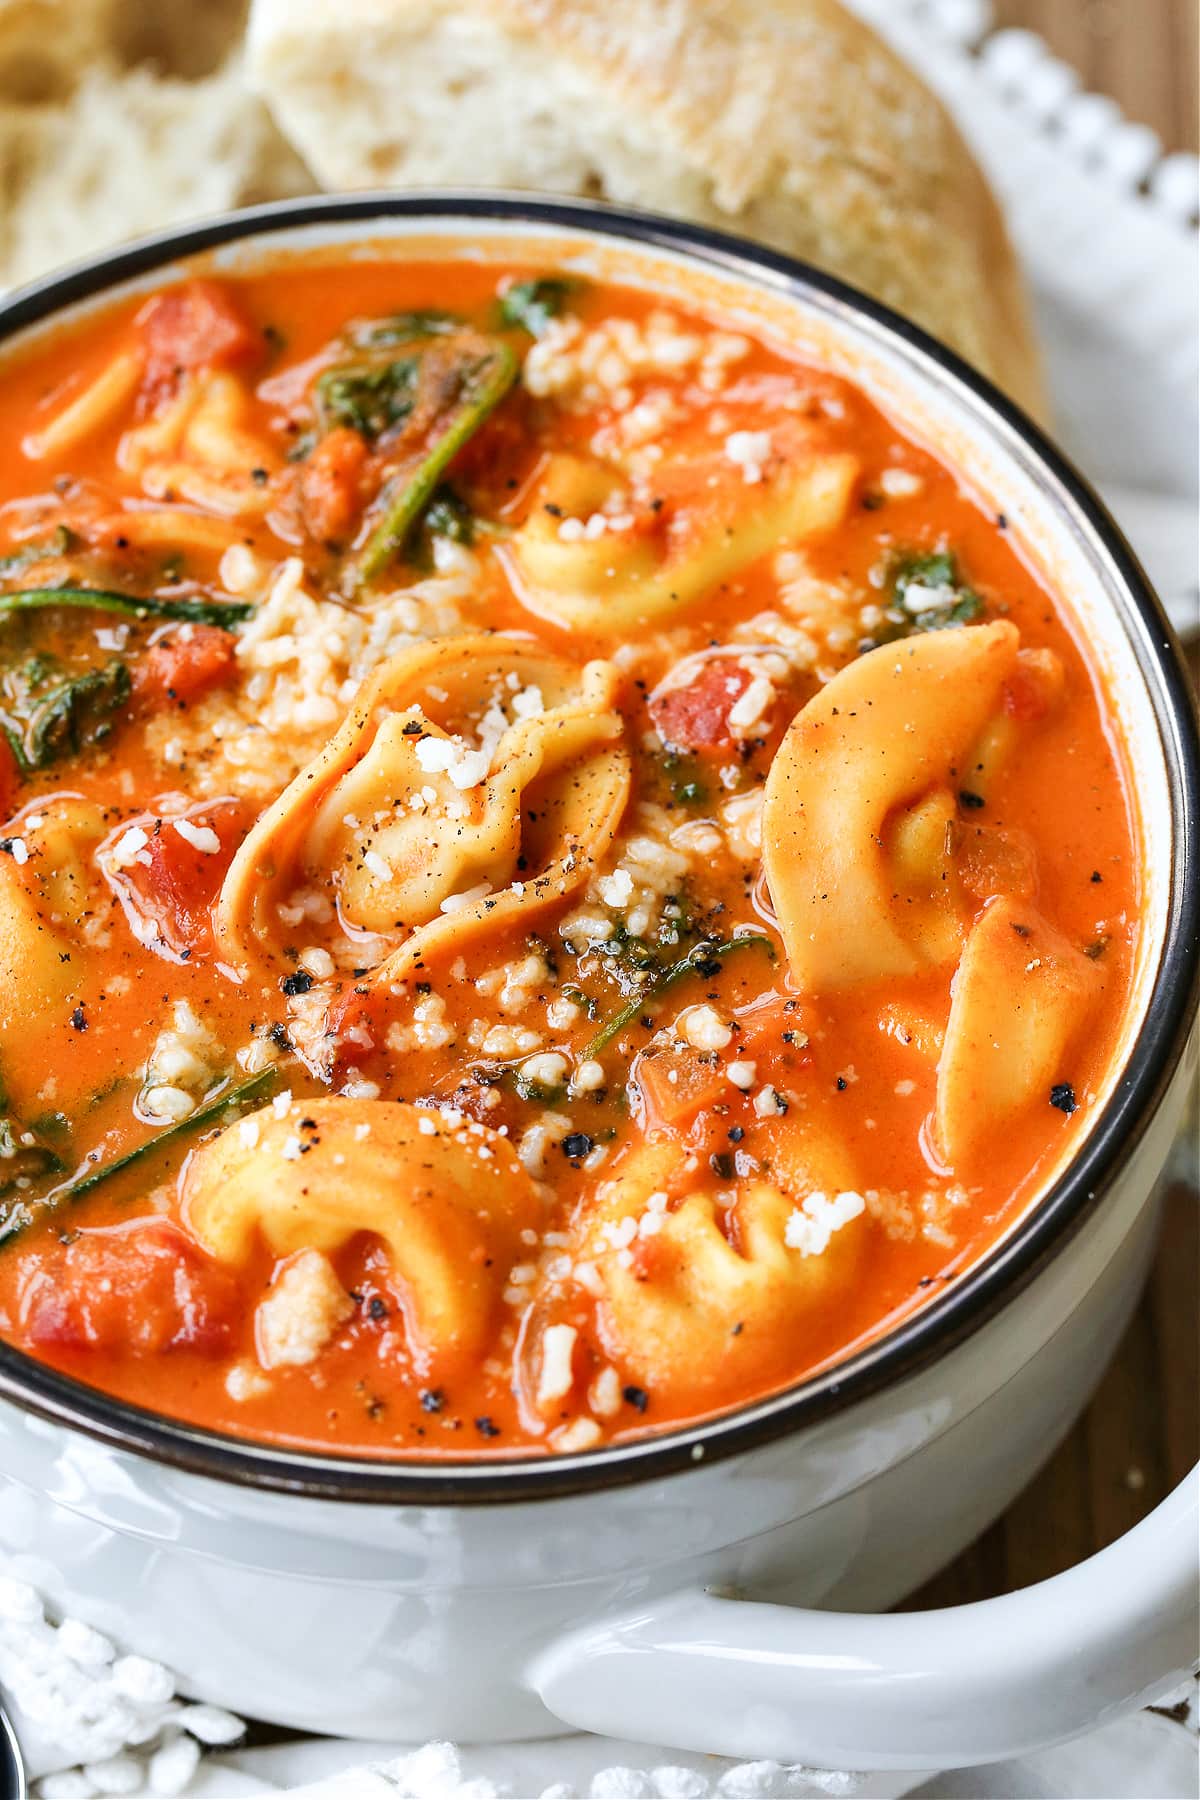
(180, 668)
(192, 327)
(1035, 687)
(495, 465)
(331, 485)
(355, 1028)
(142, 1287)
(673, 1084)
(696, 717)
(167, 885)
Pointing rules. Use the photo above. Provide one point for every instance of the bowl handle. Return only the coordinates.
(921, 1690)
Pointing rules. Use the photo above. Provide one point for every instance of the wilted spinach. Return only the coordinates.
(927, 594)
(368, 398)
(530, 305)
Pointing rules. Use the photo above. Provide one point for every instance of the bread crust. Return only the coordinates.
(792, 121)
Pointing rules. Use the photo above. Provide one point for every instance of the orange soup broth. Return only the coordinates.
(864, 1073)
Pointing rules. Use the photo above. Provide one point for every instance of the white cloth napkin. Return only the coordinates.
(1104, 225)
(95, 1722)
(1147, 1755)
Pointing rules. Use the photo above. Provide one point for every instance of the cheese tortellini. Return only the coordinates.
(475, 778)
(51, 901)
(1020, 997)
(714, 1289)
(448, 1202)
(199, 448)
(859, 801)
(611, 579)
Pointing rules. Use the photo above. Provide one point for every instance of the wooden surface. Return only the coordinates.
(1137, 1440)
(1144, 52)
(1141, 1434)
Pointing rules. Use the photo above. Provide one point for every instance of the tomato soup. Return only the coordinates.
(560, 872)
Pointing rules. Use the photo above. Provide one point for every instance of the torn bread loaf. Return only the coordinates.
(787, 120)
(120, 118)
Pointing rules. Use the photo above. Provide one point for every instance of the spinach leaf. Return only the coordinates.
(400, 328)
(936, 569)
(23, 1155)
(449, 516)
(18, 1215)
(12, 738)
(60, 541)
(927, 594)
(131, 606)
(935, 575)
(369, 398)
(77, 713)
(481, 382)
(703, 959)
(530, 305)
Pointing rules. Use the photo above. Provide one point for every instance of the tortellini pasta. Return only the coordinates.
(50, 895)
(423, 837)
(1021, 995)
(627, 575)
(1038, 687)
(860, 795)
(448, 1202)
(199, 448)
(713, 1290)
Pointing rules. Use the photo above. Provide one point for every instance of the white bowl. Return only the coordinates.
(507, 1599)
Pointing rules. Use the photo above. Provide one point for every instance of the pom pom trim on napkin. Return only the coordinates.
(90, 1720)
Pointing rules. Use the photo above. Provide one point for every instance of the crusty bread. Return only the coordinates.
(120, 118)
(788, 120)
(44, 44)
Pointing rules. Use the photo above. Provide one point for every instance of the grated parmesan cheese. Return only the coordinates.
(749, 450)
(557, 1376)
(751, 708)
(813, 1223)
(302, 1312)
(129, 849)
(704, 1028)
(200, 837)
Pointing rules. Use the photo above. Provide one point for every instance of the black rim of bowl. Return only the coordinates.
(12, 1768)
(972, 1298)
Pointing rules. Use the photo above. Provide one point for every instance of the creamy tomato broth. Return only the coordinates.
(560, 873)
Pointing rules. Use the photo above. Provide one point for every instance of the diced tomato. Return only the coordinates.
(696, 717)
(498, 461)
(674, 1084)
(1035, 686)
(331, 485)
(180, 668)
(192, 327)
(168, 888)
(142, 1287)
(355, 1030)
(10, 778)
